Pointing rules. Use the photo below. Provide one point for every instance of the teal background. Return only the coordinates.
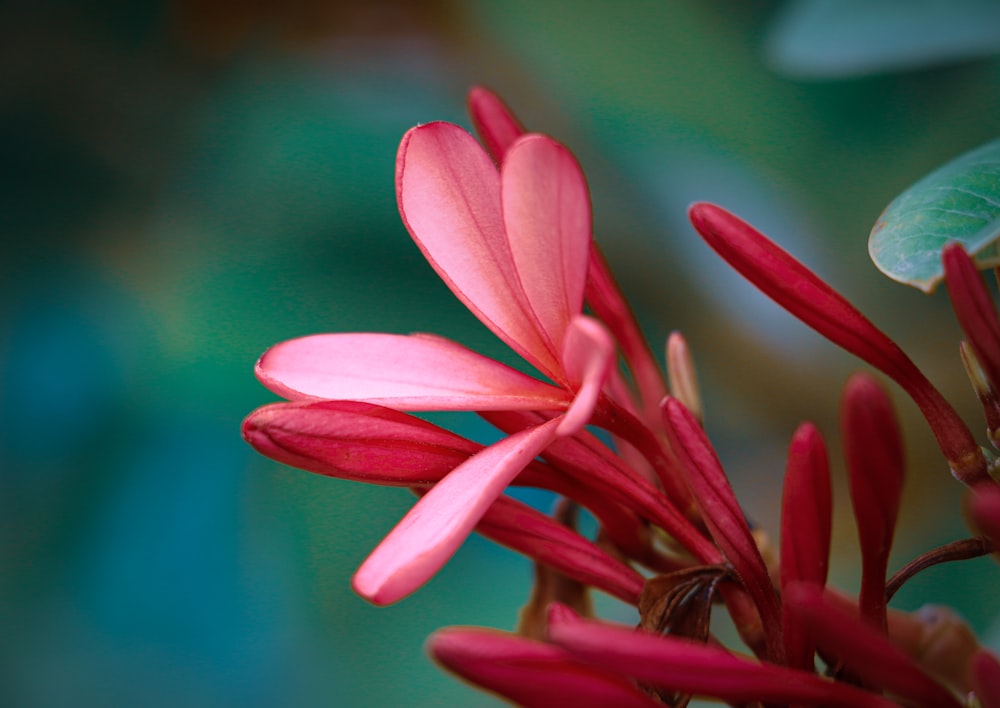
(187, 183)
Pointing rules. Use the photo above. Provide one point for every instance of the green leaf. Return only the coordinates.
(835, 39)
(957, 202)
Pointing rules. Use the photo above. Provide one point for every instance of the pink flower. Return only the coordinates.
(514, 245)
(508, 230)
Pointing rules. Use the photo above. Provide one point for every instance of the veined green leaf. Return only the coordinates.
(959, 201)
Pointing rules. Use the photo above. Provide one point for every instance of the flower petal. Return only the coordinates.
(496, 125)
(406, 372)
(448, 191)
(690, 667)
(586, 458)
(546, 211)
(588, 355)
(439, 522)
(531, 673)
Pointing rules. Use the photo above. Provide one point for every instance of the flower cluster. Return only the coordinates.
(507, 226)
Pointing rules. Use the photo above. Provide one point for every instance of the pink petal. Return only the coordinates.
(588, 355)
(448, 191)
(415, 372)
(356, 441)
(688, 667)
(538, 536)
(806, 519)
(874, 454)
(529, 672)
(863, 649)
(436, 526)
(801, 292)
(496, 125)
(546, 211)
(723, 516)
(589, 460)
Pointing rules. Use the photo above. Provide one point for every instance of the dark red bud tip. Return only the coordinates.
(974, 309)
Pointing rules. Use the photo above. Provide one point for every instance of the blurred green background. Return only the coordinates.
(186, 183)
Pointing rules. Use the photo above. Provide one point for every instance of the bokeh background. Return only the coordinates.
(186, 183)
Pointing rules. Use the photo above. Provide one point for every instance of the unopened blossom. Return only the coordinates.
(800, 291)
(874, 455)
(806, 526)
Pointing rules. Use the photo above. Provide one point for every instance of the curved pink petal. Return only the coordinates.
(689, 667)
(588, 356)
(448, 191)
(435, 527)
(546, 211)
(406, 372)
(531, 673)
(495, 123)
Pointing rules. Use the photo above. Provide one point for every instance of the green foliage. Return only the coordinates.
(959, 201)
(834, 39)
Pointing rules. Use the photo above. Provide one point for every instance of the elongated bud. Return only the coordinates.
(974, 309)
(701, 669)
(806, 520)
(495, 123)
(874, 454)
(529, 672)
(357, 441)
(800, 291)
(608, 303)
(864, 650)
(551, 543)
(984, 391)
(723, 516)
(681, 373)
